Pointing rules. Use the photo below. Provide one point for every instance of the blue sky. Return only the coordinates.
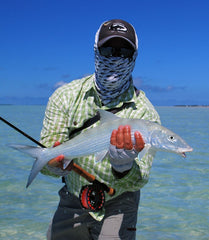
(46, 43)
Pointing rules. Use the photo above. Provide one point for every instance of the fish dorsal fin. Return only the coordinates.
(106, 116)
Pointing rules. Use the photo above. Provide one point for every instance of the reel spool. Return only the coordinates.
(92, 197)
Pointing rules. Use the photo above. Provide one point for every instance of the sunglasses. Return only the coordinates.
(116, 52)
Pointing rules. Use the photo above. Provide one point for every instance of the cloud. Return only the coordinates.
(59, 84)
(47, 87)
(155, 88)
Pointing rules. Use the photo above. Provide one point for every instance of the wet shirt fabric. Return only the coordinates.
(73, 104)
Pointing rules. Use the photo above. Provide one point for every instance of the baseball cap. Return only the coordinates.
(117, 28)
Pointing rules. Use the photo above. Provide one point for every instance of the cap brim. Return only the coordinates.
(103, 41)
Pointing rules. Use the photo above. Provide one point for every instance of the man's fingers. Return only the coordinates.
(128, 145)
(56, 144)
(116, 138)
(119, 138)
(113, 137)
(57, 161)
(139, 142)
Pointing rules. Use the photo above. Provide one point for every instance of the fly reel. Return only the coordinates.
(92, 197)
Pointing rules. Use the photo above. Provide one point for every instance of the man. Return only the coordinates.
(70, 108)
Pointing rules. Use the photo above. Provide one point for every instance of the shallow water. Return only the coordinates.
(174, 204)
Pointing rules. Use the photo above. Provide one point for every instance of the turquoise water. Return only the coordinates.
(174, 204)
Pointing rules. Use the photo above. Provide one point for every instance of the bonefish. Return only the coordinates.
(97, 140)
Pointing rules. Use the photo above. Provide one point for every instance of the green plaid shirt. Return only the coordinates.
(69, 107)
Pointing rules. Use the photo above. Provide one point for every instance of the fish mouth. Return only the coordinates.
(182, 152)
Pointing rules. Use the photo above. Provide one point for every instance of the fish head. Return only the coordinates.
(165, 140)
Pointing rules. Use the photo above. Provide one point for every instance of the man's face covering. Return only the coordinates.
(112, 74)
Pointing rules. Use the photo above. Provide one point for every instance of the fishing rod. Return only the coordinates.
(23, 133)
(92, 196)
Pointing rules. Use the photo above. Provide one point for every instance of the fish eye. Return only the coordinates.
(171, 138)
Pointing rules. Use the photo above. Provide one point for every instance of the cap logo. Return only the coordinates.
(119, 27)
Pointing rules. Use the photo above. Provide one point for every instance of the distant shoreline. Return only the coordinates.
(191, 105)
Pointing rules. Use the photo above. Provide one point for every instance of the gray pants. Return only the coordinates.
(72, 222)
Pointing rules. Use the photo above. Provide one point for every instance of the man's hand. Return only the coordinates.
(122, 150)
(57, 162)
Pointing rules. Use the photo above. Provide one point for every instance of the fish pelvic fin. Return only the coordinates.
(101, 155)
(35, 152)
(144, 151)
(147, 149)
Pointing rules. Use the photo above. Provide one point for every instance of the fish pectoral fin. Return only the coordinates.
(144, 151)
(101, 155)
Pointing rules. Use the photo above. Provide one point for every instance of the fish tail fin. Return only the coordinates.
(35, 152)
